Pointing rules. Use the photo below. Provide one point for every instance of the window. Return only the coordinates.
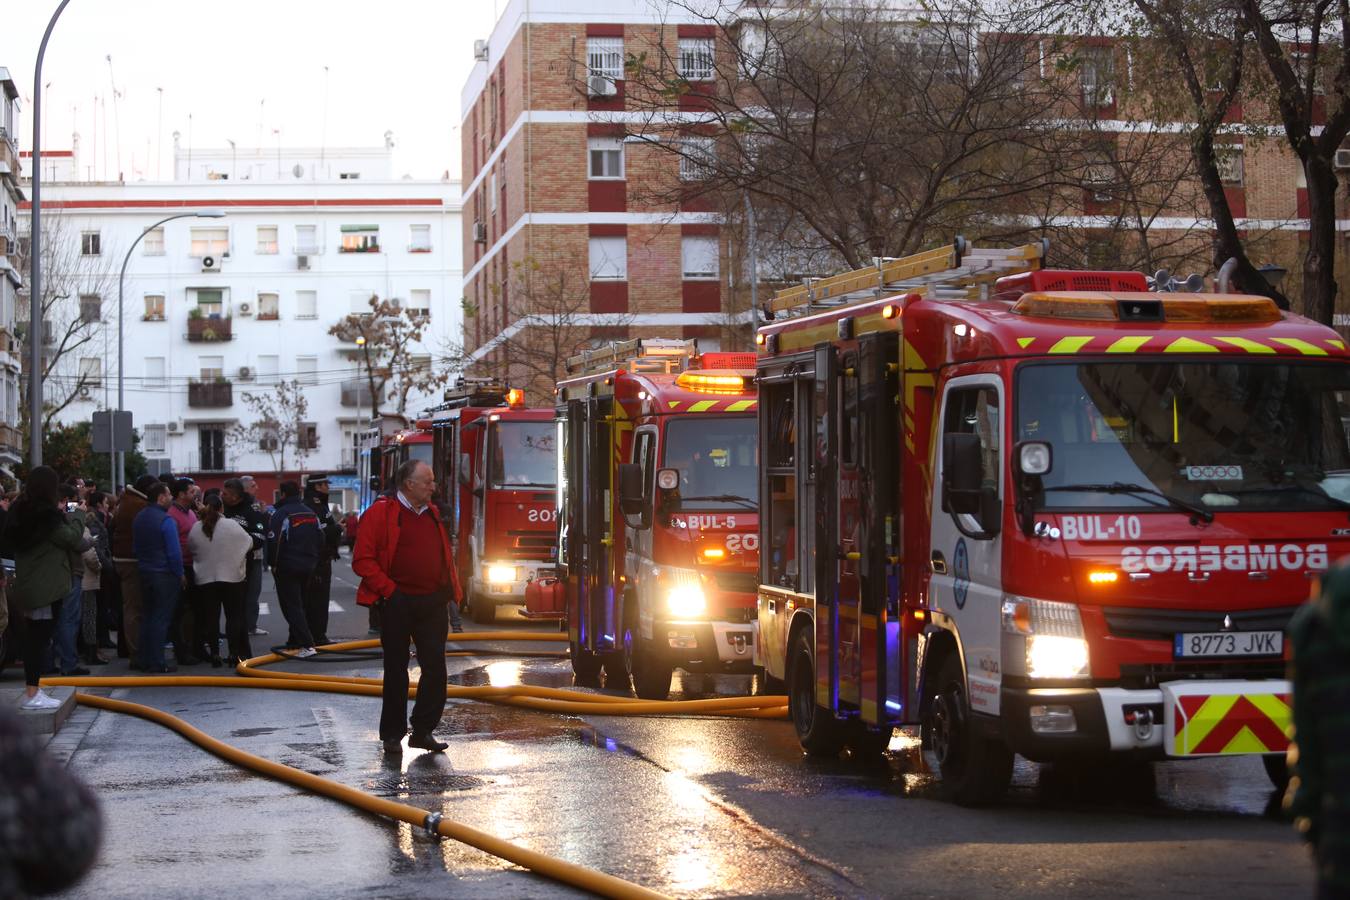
(154, 372)
(419, 303)
(153, 242)
(154, 308)
(306, 304)
(153, 439)
(91, 371)
(604, 56)
(1228, 158)
(358, 301)
(267, 369)
(211, 302)
(974, 410)
(211, 447)
(699, 255)
(210, 241)
(360, 239)
(307, 369)
(269, 306)
(419, 238)
(606, 157)
(90, 243)
(348, 176)
(91, 308)
(779, 565)
(696, 159)
(696, 59)
(1096, 74)
(306, 240)
(307, 436)
(609, 258)
(267, 239)
(211, 367)
(268, 439)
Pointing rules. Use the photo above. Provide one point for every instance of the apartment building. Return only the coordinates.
(214, 309)
(11, 276)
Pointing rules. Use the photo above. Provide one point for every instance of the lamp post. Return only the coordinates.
(35, 254)
(361, 343)
(119, 472)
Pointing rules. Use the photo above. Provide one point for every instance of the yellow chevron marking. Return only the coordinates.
(1303, 347)
(1245, 742)
(1246, 344)
(1070, 344)
(1190, 345)
(1338, 344)
(1128, 344)
(1024, 343)
(673, 404)
(1275, 709)
(740, 405)
(1210, 714)
(702, 406)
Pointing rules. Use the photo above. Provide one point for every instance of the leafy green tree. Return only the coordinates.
(69, 450)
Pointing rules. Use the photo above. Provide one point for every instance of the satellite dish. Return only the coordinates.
(298, 171)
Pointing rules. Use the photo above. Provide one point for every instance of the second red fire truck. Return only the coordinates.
(658, 511)
(1042, 512)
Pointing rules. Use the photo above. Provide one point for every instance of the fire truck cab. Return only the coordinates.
(1051, 513)
(495, 472)
(658, 511)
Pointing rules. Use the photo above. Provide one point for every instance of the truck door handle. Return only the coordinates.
(939, 562)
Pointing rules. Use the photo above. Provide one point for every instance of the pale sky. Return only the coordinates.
(242, 68)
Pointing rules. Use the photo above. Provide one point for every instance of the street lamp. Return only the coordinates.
(119, 472)
(361, 343)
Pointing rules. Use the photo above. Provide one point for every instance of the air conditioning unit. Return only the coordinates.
(210, 264)
(245, 373)
(174, 427)
(601, 86)
(245, 309)
(480, 50)
(302, 262)
(1342, 159)
(85, 392)
(480, 232)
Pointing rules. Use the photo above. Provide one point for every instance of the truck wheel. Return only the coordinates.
(1277, 770)
(819, 732)
(483, 610)
(973, 770)
(651, 676)
(585, 664)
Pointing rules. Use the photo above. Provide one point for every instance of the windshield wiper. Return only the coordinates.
(1119, 487)
(725, 498)
(1292, 486)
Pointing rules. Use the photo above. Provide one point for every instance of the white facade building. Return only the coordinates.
(216, 308)
(11, 278)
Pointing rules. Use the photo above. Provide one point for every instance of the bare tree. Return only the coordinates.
(78, 295)
(387, 338)
(277, 425)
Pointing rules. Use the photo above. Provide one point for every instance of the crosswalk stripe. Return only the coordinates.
(265, 609)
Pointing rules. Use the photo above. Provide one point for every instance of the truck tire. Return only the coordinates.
(483, 610)
(973, 770)
(819, 732)
(1277, 770)
(585, 664)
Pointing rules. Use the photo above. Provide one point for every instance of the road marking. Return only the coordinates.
(265, 609)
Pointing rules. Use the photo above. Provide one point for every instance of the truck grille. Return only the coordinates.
(738, 582)
(531, 544)
(1150, 676)
(1163, 624)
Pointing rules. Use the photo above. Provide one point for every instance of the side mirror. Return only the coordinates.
(630, 491)
(374, 482)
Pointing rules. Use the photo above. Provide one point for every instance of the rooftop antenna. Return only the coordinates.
(262, 109)
(323, 134)
(159, 134)
(189, 164)
(117, 119)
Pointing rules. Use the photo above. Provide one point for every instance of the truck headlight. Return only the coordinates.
(1055, 646)
(501, 574)
(683, 591)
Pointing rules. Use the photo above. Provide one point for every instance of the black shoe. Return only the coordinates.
(75, 672)
(188, 661)
(162, 670)
(320, 641)
(426, 742)
(94, 660)
(392, 747)
(457, 628)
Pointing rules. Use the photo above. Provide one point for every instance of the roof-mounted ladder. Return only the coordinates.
(653, 355)
(956, 272)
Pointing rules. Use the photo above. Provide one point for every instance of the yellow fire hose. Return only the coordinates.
(556, 700)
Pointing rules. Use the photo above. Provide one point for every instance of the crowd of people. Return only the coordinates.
(157, 566)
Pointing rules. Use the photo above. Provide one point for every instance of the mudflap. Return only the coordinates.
(1219, 718)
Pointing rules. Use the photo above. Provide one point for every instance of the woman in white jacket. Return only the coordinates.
(220, 549)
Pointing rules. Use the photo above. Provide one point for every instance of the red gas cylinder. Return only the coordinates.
(544, 599)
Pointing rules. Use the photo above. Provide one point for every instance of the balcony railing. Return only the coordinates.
(210, 394)
(356, 393)
(10, 438)
(208, 329)
(215, 461)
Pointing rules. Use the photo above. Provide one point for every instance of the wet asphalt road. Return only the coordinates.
(691, 807)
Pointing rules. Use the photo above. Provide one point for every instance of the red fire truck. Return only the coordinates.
(1042, 512)
(495, 473)
(658, 511)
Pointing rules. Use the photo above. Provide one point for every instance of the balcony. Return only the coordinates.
(9, 152)
(209, 329)
(10, 439)
(210, 461)
(210, 394)
(356, 393)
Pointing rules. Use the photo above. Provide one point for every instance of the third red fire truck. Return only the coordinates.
(658, 511)
(1043, 512)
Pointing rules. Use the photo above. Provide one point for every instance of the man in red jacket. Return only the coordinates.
(403, 558)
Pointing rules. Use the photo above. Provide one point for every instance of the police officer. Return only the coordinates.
(319, 585)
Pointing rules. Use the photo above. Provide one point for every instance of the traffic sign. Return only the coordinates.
(103, 432)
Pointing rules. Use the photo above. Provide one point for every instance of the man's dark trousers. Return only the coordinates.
(290, 593)
(317, 590)
(422, 620)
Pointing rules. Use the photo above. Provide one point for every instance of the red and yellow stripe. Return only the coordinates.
(717, 406)
(1216, 724)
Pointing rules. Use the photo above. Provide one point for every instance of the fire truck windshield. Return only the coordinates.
(1231, 435)
(522, 455)
(419, 452)
(717, 457)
